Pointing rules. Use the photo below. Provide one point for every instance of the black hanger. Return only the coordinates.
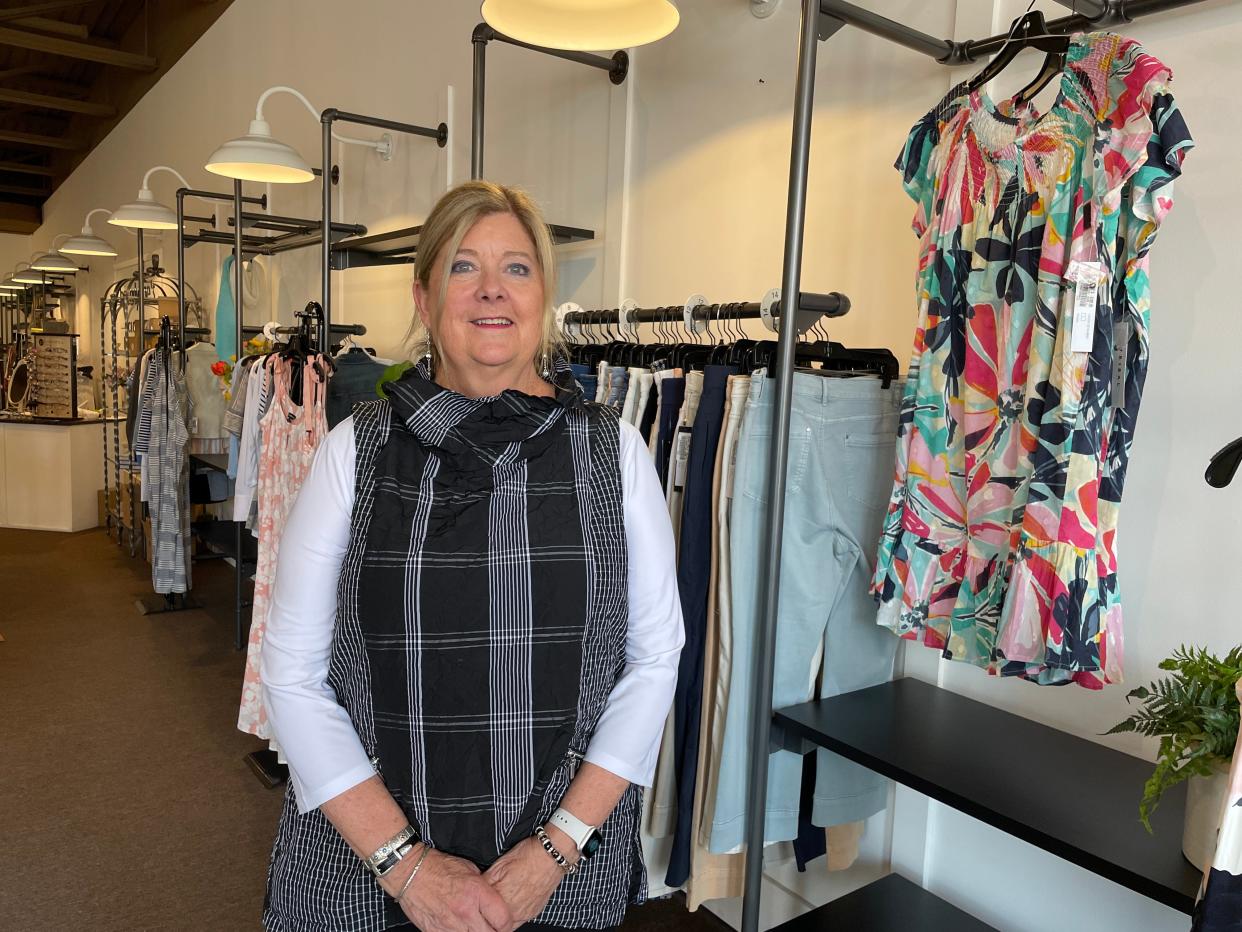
(1223, 464)
(1029, 31)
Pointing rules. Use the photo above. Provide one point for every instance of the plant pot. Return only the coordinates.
(1205, 801)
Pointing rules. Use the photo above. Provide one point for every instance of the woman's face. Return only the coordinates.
(490, 323)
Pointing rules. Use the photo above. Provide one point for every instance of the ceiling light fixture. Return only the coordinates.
(582, 25)
(147, 213)
(53, 261)
(259, 156)
(87, 243)
(24, 275)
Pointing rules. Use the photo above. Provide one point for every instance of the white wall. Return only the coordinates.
(683, 172)
(547, 126)
(13, 249)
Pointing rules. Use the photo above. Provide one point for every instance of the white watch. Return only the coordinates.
(578, 831)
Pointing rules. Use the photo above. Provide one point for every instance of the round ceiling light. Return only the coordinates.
(582, 25)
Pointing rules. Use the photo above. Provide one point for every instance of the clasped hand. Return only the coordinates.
(453, 895)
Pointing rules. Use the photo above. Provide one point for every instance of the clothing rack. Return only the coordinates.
(617, 65)
(119, 302)
(696, 310)
(328, 119)
(820, 20)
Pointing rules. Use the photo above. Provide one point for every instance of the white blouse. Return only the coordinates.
(325, 755)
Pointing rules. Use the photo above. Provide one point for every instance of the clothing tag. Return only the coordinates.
(1121, 345)
(681, 458)
(1086, 293)
(732, 472)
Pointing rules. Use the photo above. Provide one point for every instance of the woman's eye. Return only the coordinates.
(461, 266)
(519, 268)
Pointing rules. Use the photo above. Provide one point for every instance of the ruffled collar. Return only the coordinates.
(502, 428)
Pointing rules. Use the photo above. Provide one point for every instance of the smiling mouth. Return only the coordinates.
(492, 322)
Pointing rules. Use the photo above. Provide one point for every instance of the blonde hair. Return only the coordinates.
(459, 209)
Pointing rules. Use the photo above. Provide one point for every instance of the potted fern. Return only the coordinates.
(1194, 713)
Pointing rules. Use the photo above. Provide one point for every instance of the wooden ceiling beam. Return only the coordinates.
(173, 28)
(84, 51)
(48, 102)
(24, 169)
(38, 9)
(19, 218)
(34, 139)
(43, 24)
(23, 192)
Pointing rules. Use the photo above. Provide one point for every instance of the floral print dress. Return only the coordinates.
(999, 545)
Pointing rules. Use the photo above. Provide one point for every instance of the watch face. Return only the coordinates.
(591, 846)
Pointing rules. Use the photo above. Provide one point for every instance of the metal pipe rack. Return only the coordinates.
(833, 304)
(617, 65)
(328, 119)
(820, 20)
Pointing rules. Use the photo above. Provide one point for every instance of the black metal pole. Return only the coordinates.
(885, 28)
(239, 571)
(181, 273)
(325, 230)
(769, 581)
(1090, 8)
(438, 133)
(833, 304)
(477, 102)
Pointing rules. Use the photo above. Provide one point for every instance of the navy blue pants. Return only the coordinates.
(694, 566)
(672, 394)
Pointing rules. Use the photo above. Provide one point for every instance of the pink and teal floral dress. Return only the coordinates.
(1000, 542)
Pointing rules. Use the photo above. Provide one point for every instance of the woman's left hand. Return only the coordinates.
(526, 878)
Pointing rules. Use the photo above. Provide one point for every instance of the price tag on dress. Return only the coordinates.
(1086, 295)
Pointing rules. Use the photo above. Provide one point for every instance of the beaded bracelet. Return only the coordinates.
(551, 849)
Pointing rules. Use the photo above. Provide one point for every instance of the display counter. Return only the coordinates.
(50, 473)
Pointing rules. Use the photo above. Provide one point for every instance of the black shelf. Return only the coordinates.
(219, 537)
(400, 246)
(217, 461)
(890, 904)
(1065, 794)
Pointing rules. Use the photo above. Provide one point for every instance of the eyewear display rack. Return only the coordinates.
(122, 337)
(899, 729)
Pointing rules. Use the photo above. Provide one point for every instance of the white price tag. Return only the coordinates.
(681, 458)
(1086, 295)
(1121, 345)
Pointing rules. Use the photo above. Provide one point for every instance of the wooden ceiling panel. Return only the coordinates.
(69, 71)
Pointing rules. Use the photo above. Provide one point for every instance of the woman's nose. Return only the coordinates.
(490, 286)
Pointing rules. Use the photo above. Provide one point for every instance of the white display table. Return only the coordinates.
(50, 474)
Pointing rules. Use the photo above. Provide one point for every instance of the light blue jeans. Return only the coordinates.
(842, 441)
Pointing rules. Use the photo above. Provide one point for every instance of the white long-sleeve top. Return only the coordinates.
(325, 755)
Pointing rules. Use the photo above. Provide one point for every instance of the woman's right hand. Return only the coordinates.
(450, 895)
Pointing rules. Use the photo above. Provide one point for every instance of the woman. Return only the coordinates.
(475, 625)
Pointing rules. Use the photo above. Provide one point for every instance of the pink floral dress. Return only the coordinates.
(291, 434)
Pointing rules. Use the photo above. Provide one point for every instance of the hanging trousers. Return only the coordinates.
(694, 565)
(672, 393)
(679, 458)
(842, 441)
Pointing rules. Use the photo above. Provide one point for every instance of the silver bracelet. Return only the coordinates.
(414, 873)
(389, 854)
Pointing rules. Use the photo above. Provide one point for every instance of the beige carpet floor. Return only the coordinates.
(125, 801)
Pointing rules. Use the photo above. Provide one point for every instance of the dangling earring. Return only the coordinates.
(545, 366)
(430, 356)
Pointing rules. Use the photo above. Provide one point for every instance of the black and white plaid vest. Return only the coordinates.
(481, 625)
